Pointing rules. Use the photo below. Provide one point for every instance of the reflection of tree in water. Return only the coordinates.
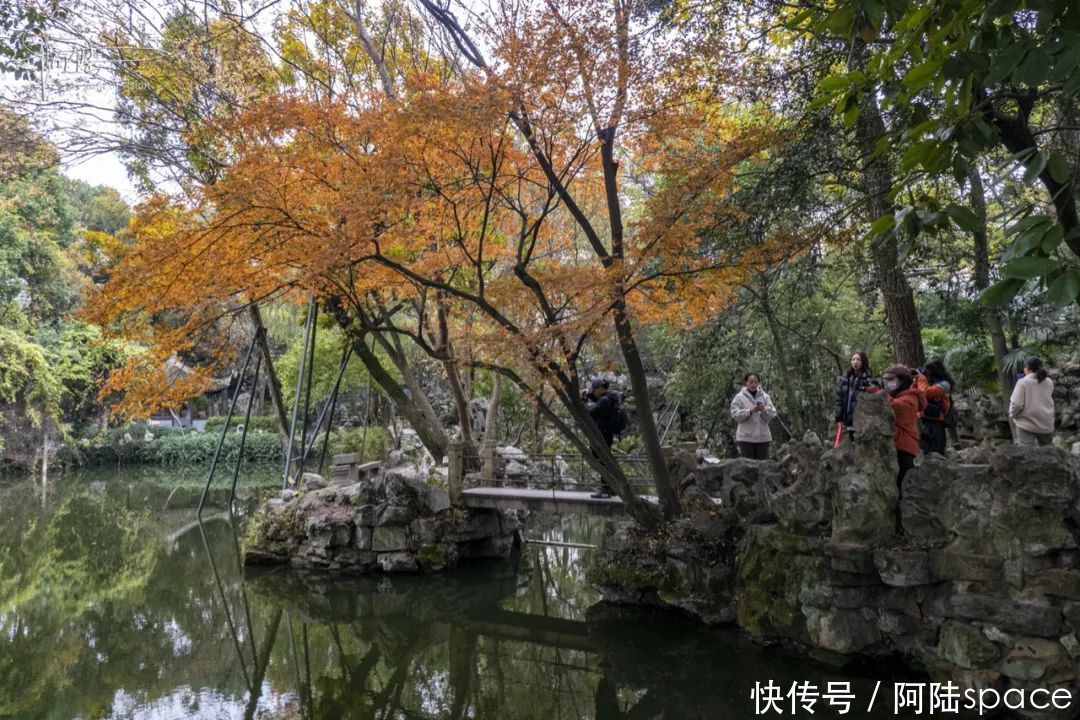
(92, 608)
(99, 610)
(73, 563)
(477, 647)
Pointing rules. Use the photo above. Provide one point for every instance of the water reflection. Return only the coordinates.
(114, 608)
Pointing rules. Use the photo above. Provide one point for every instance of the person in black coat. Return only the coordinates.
(849, 386)
(602, 404)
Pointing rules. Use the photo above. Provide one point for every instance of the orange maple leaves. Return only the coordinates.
(487, 191)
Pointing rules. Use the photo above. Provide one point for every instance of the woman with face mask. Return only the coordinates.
(848, 388)
(907, 403)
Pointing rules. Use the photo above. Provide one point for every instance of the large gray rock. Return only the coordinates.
(966, 645)
(841, 631)
(925, 487)
(509, 452)
(803, 504)
(397, 517)
(515, 469)
(742, 485)
(396, 562)
(477, 525)
(403, 486)
(864, 493)
(1034, 658)
(1022, 502)
(1029, 618)
(874, 418)
(312, 481)
(427, 531)
(863, 499)
(903, 568)
(953, 565)
(390, 538)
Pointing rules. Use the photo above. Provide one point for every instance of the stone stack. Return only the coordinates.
(983, 587)
(396, 523)
(1067, 404)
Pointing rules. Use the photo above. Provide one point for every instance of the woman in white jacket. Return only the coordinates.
(752, 410)
(1031, 406)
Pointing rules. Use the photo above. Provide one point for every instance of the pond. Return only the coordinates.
(114, 604)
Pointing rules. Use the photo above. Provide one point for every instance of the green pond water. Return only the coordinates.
(114, 604)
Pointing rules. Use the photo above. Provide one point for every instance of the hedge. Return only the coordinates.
(259, 422)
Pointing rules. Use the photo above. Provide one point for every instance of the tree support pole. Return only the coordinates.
(345, 355)
(225, 430)
(296, 397)
(244, 432)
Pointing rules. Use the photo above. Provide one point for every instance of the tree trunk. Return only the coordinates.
(779, 348)
(417, 410)
(281, 416)
(1016, 135)
(991, 316)
(491, 434)
(901, 317)
(537, 429)
(453, 377)
(650, 437)
(461, 404)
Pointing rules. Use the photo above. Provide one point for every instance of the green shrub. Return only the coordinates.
(376, 446)
(972, 366)
(259, 422)
(141, 443)
(131, 443)
(197, 448)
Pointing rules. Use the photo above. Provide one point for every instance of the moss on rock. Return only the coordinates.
(766, 581)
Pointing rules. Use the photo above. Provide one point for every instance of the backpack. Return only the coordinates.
(619, 417)
(951, 416)
(936, 410)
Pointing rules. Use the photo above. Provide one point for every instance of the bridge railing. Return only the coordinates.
(547, 471)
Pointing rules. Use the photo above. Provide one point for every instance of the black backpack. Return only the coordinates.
(951, 416)
(619, 417)
(935, 410)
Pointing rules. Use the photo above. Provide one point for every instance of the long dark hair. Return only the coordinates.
(936, 372)
(865, 365)
(1035, 365)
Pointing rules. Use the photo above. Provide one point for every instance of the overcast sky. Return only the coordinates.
(103, 170)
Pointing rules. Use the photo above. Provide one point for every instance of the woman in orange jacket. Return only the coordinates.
(907, 403)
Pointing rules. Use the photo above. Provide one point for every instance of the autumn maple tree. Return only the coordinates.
(546, 195)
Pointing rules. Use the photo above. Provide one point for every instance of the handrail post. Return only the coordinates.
(454, 478)
(488, 469)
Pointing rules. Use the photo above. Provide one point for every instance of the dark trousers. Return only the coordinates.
(932, 437)
(609, 438)
(907, 462)
(754, 450)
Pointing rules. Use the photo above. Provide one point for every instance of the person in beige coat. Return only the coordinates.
(752, 410)
(1031, 406)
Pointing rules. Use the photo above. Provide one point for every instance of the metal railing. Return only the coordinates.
(555, 471)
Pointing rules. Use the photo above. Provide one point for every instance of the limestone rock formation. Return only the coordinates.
(983, 587)
(396, 523)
